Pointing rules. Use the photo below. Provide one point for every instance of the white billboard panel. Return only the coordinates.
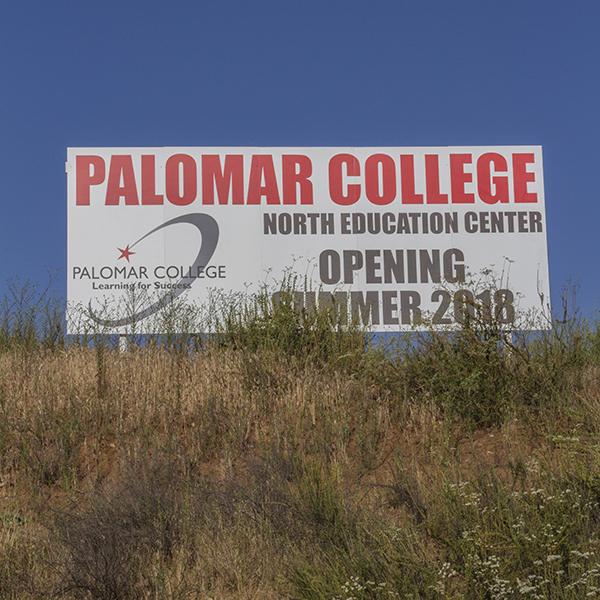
(393, 235)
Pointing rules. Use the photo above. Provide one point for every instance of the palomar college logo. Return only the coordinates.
(209, 230)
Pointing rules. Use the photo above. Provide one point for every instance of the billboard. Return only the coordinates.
(392, 237)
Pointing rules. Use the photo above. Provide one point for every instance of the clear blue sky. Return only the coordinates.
(289, 73)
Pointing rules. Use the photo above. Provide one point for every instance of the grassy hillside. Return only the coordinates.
(286, 459)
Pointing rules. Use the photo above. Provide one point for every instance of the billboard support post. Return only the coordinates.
(123, 343)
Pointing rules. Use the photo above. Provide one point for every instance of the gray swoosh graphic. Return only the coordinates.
(209, 229)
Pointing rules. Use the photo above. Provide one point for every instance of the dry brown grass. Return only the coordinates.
(252, 473)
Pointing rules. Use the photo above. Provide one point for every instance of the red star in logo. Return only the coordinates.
(125, 252)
